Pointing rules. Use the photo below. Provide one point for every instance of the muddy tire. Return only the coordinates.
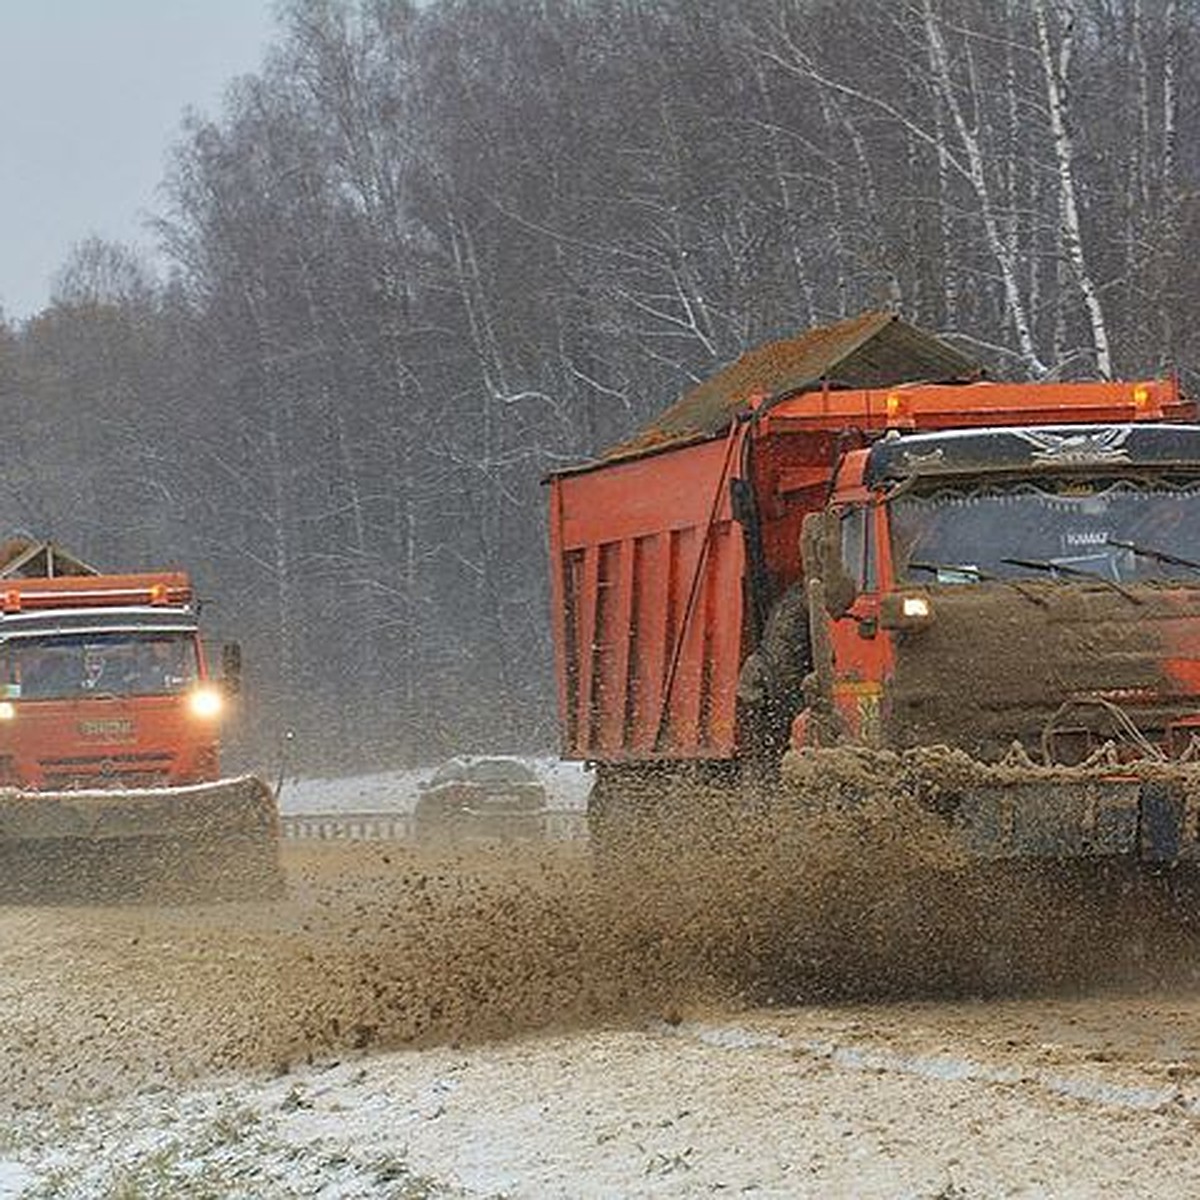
(771, 683)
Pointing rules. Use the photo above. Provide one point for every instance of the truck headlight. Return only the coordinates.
(205, 702)
(905, 612)
(8, 710)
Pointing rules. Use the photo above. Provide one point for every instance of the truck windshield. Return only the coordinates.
(69, 666)
(1122, 529)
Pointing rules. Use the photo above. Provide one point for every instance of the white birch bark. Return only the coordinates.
(1170, 117)
(1169, 194)
(783, 187)
(841, 285)
(999, 247)
(1139, 150)
(1056, 68)
(945, 222)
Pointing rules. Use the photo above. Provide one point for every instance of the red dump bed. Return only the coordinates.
(649, 590)
(626, 540)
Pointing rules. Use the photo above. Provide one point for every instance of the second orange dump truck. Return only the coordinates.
(110, 778)
(849, 539)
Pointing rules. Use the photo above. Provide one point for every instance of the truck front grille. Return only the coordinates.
(148, 769)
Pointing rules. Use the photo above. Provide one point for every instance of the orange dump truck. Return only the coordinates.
(109, 740)
(990, 591)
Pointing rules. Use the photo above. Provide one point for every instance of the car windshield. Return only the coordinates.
(453, 771)
(63, 666)
(497, 770)
(1122, 529)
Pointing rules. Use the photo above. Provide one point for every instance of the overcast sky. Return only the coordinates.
(91, 97)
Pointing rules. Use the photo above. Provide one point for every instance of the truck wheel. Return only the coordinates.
(771, 683)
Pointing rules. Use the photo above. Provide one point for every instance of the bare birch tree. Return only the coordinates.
(1056, 64)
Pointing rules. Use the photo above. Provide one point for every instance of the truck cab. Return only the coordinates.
(104, 683)
(1036, 585)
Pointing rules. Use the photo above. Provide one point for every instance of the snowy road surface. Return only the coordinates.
(916, 1100)
(491, 1022)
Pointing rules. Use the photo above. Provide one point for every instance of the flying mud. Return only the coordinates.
(385, 945)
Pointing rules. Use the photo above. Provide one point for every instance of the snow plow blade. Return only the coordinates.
(1145, 811)
(195, 843)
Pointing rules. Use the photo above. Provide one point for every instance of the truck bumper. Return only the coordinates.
(1097, 818)
(1146, 811)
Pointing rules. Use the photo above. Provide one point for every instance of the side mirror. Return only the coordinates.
(821, 550)
(811, 534)
(231, 667)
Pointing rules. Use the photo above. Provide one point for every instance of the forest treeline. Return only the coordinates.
(429, 253)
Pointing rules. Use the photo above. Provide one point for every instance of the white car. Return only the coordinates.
(481, 798)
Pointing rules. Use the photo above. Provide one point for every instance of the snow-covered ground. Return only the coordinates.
(493, 1022)
(798, 1104)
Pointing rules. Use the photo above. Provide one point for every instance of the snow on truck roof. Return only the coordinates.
(872, 350)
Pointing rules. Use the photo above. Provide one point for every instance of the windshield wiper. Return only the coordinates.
(936, 568)
(1041, 564)
(1150, 552)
